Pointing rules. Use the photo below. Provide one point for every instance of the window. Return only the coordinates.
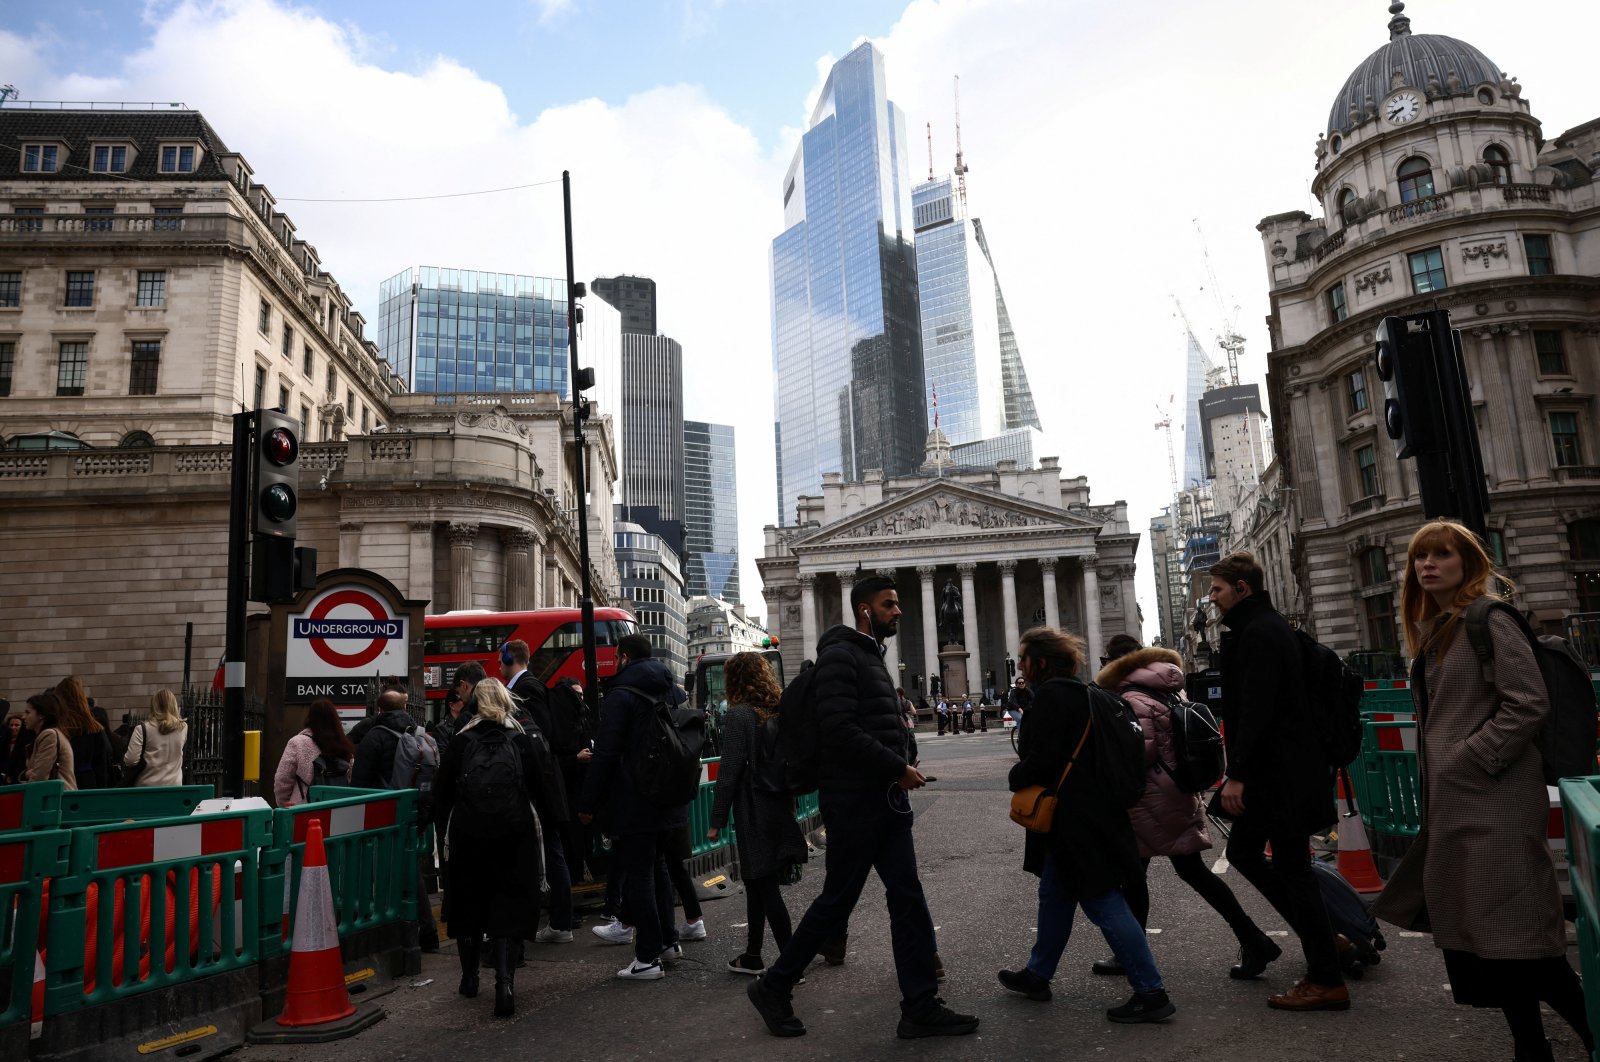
(98, 218)
(1367, 470)
(71, 368)
(1416, 179)
(350, 403)
(168, 219)
(152, 289)
(11, 288)
(283, 399)
(305, 422)
(1564, 437)
(146, 367)
(1379, 610)
(1495, 543)
(1336, 306)
(1552, 356)
(39, 158)
(8, 358)
(1347, 206)
(1537, 248)
(1427, 270)
(264, 318)
(80, 288)
(333, 383)
(1499, 163)
(364, 421)
(288, 340)
(136, 440)
(30, 218)
(177, 159)
(1583, 537)
(1374, 565)
(110, 158)
(261, 386)
(310, 365)
(1357, 382)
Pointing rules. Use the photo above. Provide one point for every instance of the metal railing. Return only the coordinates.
(203, 749)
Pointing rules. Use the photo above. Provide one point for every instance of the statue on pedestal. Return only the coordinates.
(952, 621)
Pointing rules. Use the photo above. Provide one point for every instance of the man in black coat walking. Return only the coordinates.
(1279, 788)
(867, 768)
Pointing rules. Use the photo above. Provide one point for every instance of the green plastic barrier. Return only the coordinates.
(198, 877)
(31, 806)
(371, 840)
(700, 813)
(1385, 780)
(27, 860)
(1580, 803)
(96, 807)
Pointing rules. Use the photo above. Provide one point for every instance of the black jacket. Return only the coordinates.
(530, 695)
(1272, 743)
(1091, 839)
(865, 743)
(375, 752)
(609, 789)
(92, 761)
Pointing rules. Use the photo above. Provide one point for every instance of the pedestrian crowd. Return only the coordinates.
(61, 734)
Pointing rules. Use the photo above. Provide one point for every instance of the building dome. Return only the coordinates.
(1420, 59)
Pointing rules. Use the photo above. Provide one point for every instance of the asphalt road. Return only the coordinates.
(570, 1005)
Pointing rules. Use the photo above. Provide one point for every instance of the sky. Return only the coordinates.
(1120, 155)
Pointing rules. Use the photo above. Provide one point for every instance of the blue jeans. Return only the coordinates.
(1109, 912)
(559, 878)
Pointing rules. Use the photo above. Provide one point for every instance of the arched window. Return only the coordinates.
(1347, 206)
(136, 440)
(1499, 161)
(1377, 607)
(1416, 179)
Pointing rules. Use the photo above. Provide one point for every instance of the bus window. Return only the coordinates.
(562, 643)
(471, 641)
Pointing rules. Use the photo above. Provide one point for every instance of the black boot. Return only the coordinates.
(1254, 955)
(468, 946)
(1536, 1053)
(503, 972)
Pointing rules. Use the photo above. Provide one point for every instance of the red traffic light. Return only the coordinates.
(280, 446)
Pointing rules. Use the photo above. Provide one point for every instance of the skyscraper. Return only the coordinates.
(1020, 410)
(652, 436)
(846, 340)
(1194, 446)
(634, 298)
(710, 511)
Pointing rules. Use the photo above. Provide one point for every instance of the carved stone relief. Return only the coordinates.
(942, 510)
(1370, 280)
(1485, 251)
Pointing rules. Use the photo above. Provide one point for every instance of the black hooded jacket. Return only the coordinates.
(865, 743)
(609, 789)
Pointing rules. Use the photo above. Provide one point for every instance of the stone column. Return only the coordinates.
(930, 626)
(1008, 601)
(891, 647)
(1052, 607)
(808, 616)
(847, 582)
(519, 580)
(462, 537)
(349, 544)
(536, 571)
(419, 583)
(1130, 604)
(969, 615)
(1091, 610)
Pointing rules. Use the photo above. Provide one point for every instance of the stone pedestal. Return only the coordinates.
(953, 671)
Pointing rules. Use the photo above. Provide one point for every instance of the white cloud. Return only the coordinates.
(549, 10)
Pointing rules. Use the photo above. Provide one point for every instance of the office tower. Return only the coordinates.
(710, 511)
(634, 298)
(652, 436)
(652, 579)
(1020, 410)
(1194, 447)
(847, 347)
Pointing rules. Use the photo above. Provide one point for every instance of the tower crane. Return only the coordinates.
(1165, 423)
(961, 165)
(1231, 342)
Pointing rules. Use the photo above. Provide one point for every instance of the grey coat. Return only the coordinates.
(766, 833)
(1481, 863)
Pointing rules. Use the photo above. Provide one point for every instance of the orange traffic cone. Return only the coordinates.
(316, 991)
(1355, 856)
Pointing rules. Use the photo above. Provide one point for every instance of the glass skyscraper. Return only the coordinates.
(652, 478)
(846, 340)
(710, 511)
(1020, 410)
(1194, 446)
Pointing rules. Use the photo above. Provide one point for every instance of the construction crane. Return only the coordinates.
(961, 165)
(1165, 423)
(1231, 342)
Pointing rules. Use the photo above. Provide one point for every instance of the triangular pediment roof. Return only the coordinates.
(945, 508)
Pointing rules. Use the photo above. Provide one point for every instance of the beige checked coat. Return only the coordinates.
(1480, 863)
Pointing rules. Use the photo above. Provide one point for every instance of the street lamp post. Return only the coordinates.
(575, 291)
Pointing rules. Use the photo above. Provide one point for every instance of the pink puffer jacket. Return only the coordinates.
(1167, 821)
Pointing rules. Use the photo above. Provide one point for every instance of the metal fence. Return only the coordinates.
(203, 750)
(1583, 630)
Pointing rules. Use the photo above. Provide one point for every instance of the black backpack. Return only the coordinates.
(666, 763)
(767, 769)
(330, 770)
(1567, 739)
(1118, 745)
(491, 786)
(1333, 696)
(801, 737)
(1196, 743)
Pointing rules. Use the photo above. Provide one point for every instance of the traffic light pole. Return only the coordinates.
(591, 665)
(238, 593)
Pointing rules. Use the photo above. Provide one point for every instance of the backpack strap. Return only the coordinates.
(1476, 619)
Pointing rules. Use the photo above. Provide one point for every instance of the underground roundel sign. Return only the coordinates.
(345, 637)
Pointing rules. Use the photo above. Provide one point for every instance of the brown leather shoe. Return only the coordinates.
(1308, 995)
(1344, 946)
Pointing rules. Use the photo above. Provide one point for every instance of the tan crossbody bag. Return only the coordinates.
(1034, 807)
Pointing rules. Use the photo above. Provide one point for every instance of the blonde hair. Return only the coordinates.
(493, 700)
(1417, 606)
(164, 712)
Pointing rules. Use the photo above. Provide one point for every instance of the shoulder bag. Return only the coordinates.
(130, 775)
(1034, 807)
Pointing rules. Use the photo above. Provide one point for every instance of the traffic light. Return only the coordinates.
(276, 488)
(279, 569)
(1412, 412)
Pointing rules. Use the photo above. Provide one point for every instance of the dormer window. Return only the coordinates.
(1499, 163)
(109, 158)
(179, 158)
(41, 158)
(1416, 179)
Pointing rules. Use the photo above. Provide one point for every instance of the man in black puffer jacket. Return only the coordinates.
(867, 768)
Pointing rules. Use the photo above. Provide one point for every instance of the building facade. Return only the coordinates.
(634, 298)
(710, 511)
(1021, 547)
(652, 462)
(848, 380)
(718, 626)
(652, 579)
(1234, 436)
(1438, 189)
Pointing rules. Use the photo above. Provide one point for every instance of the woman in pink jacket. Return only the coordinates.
(323, 736)
(1166, 820)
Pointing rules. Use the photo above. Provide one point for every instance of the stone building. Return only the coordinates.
(650, 577)
(115, 464)
(720, 626)
(1438, 189)
(1021, 546)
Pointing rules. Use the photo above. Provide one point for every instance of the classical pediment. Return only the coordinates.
(949, 510)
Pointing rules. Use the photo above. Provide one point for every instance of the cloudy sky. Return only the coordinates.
(1103, 140)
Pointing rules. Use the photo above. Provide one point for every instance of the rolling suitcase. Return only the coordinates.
(1349, 916)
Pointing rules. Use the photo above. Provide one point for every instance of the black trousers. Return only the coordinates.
(763, 904)
(1288, 885)
(646, 894)
(867, 830)
(1193, 872)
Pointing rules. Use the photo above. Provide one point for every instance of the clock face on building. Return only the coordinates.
(1403, 108)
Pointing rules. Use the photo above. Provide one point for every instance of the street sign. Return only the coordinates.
(346, 635)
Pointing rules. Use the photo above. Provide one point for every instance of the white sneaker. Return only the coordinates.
(614, 933)
(551, 935)
(638, 971)
(695, 930)
(671, 954)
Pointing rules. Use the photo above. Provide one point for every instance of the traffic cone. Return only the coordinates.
(1355, 856)
(316, 992)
